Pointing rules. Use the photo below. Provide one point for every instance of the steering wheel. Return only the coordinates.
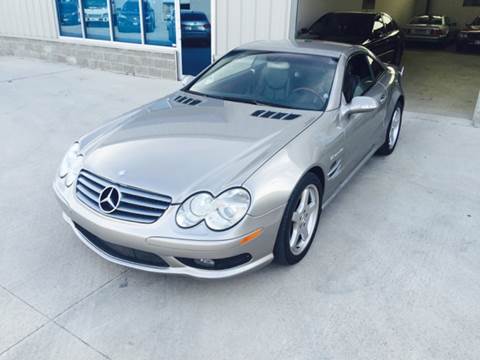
(308, 90)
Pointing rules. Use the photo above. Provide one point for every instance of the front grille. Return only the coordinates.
(135, 205)
(123, 252)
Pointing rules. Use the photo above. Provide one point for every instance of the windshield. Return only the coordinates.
(350, 25)
(131, 6)
(95, 3)
(286, 80)
(476, 22)
(186, 16)
(427, 20)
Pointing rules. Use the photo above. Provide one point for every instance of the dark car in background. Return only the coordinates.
(437, 29)
(376, 31)
(128, 18)
(469, 37)
(195, 27)
(68, 13)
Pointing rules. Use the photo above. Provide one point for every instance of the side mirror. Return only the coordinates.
(303, 31)
(358, 105)
(187, 80)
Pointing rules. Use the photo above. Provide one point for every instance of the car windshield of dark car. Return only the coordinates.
(95, 4)
(194, 17)
(131, 6)
(287, 80)
(345, 25)
(427, 20)
(476, 22)
(68, 8)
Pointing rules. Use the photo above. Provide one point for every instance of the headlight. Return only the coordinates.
(71, 164)
(220, 213)
(121, 16)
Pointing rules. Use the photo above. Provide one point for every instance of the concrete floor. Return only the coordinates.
(392, 274)
(442, 81)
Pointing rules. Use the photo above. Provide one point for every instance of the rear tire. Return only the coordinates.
(300, 221)
(393, 131)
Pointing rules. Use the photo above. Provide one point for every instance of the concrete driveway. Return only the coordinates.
(394, 272)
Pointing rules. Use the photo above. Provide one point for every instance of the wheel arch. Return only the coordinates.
(318, 171)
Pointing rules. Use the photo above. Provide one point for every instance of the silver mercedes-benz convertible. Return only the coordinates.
(233, 170)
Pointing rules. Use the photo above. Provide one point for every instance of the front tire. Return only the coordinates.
(393, 131)
(300, 221)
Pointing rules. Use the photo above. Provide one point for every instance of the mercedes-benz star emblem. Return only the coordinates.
(109, 199)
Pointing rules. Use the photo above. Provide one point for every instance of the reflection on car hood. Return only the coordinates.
(177, 150)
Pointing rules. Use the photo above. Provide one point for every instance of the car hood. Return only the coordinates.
(176, 149)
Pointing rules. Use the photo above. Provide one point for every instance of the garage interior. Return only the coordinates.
(438, 80)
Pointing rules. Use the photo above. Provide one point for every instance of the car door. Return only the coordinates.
(364, 131)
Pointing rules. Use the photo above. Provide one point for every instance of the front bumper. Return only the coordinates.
(170, 243)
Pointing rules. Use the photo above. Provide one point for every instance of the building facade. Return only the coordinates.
(155, 38)
(172, 38)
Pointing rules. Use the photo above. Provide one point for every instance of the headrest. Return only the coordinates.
(277, 74)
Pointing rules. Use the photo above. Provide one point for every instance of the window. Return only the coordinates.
(280, 79)
(126, 21)
(69, 18)
(96, 19)
(377, 69)
(121, 18)
(378, 29)
(358, 77)
(390, 25)
(343, 24)
(159, 22)
(471, 3)
(427, 20)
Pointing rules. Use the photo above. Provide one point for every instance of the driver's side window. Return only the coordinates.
(358, 77)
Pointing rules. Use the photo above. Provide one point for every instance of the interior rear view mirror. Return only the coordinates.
(360, 104)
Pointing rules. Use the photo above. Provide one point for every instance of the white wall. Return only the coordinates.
(455, 10)
(311, 10)
(28, 18)
(242, 21)
(401, 10)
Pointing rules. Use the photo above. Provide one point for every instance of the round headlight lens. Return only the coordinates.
(219, 213)
(68, 160)
(230, 208)
(194, 210)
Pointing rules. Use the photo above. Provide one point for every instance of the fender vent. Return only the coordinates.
(275, 115)
(187, 100)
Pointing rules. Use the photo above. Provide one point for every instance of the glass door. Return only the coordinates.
(196, 27)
